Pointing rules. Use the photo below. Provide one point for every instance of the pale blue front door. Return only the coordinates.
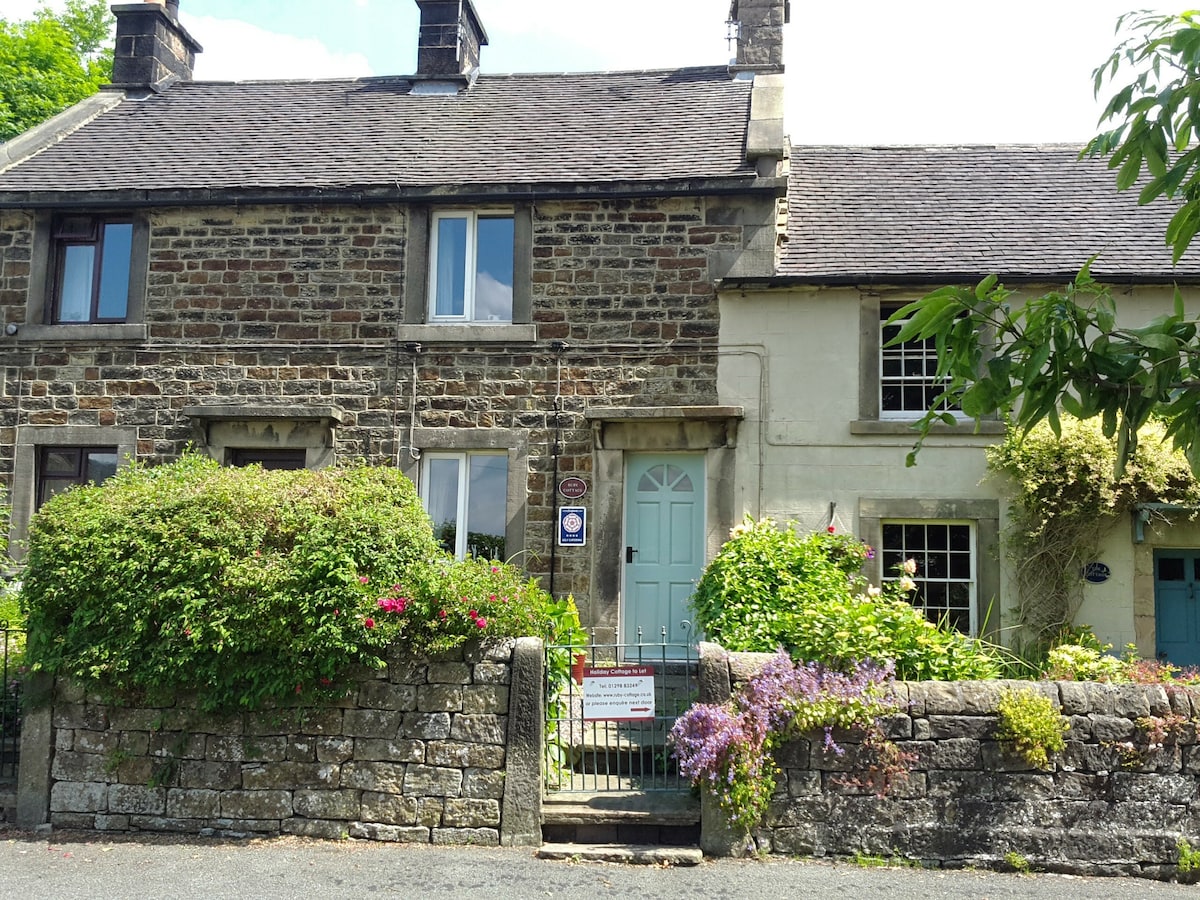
(664, 544)
(1176, 583)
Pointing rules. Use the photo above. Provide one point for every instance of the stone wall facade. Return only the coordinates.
(418, 752)
(296, 307)
(1109, 804)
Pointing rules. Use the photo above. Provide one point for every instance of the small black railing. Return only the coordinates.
(587, 753)
(12, 650)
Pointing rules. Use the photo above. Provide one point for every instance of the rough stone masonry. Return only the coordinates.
(417, 752)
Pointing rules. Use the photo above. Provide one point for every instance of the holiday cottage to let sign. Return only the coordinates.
(618, 693)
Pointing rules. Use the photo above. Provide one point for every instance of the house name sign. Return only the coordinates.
(572, 488)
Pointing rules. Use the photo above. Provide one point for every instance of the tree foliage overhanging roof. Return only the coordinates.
(52, 61)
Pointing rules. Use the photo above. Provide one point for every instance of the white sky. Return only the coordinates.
(858, 71)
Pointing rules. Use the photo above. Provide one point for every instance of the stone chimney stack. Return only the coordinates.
(759, 33)
(153, 50)
(450, 39)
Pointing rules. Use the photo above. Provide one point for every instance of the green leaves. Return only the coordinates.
(1031, 725)
(1154, 116)
(1062, 350)
(1066, 492)
(772, 587)
(51, 62)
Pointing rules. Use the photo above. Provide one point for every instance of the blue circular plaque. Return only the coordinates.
(1096, 573)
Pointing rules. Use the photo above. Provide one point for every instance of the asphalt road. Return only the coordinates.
(79, 865)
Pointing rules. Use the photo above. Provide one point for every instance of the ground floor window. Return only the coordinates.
(466, 496)
(268, 459)
(944, 553)
(61, 467)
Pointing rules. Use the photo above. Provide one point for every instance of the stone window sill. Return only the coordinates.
(468, 334)
(121, 332)
(966, 428)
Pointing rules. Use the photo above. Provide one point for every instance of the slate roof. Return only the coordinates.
(644, 127)
(913, 214)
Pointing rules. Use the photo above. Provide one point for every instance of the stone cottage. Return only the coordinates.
(493, 282)
(829, 409)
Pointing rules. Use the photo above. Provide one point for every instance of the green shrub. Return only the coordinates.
(772, 587)
(1032, 725)
(10, 606)
(1077, 662)
(247, 586)
(752, 593)
(1189, 859)
(441, 605)
(889, 628)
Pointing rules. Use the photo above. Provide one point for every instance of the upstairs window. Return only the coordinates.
(93, 258)
(908, 382)
(62, 467)
(466, 495)
(471, 267)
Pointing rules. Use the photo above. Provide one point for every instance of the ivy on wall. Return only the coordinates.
(1066, 496)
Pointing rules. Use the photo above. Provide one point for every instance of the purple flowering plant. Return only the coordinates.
(727, 748)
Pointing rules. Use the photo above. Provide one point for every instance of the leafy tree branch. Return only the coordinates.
(1029, 359)
(50, 62)
(1154, 115)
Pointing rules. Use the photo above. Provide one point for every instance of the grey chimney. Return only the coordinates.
(759, 33)
(152, 50)
(449, 41)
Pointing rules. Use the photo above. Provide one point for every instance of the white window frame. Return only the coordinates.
(472, 217)
(921, 577)
(463, 491)
(911, 348)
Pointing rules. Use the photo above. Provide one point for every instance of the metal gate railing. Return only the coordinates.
(586, 752)
(12, 648)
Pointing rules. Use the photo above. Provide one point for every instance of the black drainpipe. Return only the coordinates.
(559, 347)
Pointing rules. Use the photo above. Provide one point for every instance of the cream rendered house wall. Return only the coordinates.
(792, 357)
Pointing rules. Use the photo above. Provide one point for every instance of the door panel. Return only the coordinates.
(1176, 577)
(664, 503)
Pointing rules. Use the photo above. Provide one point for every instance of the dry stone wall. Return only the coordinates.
(1112, 803)
(415, 753)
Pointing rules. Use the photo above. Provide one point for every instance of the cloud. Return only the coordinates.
(493, 298)
(615, 34)
(237, 51)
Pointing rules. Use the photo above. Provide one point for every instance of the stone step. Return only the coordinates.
(608, 807)
(630, 854)
(645, 818)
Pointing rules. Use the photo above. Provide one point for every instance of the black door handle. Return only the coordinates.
(629, 551)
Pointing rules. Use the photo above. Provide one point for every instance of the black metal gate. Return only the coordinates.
(12, 650)
(586, 753)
